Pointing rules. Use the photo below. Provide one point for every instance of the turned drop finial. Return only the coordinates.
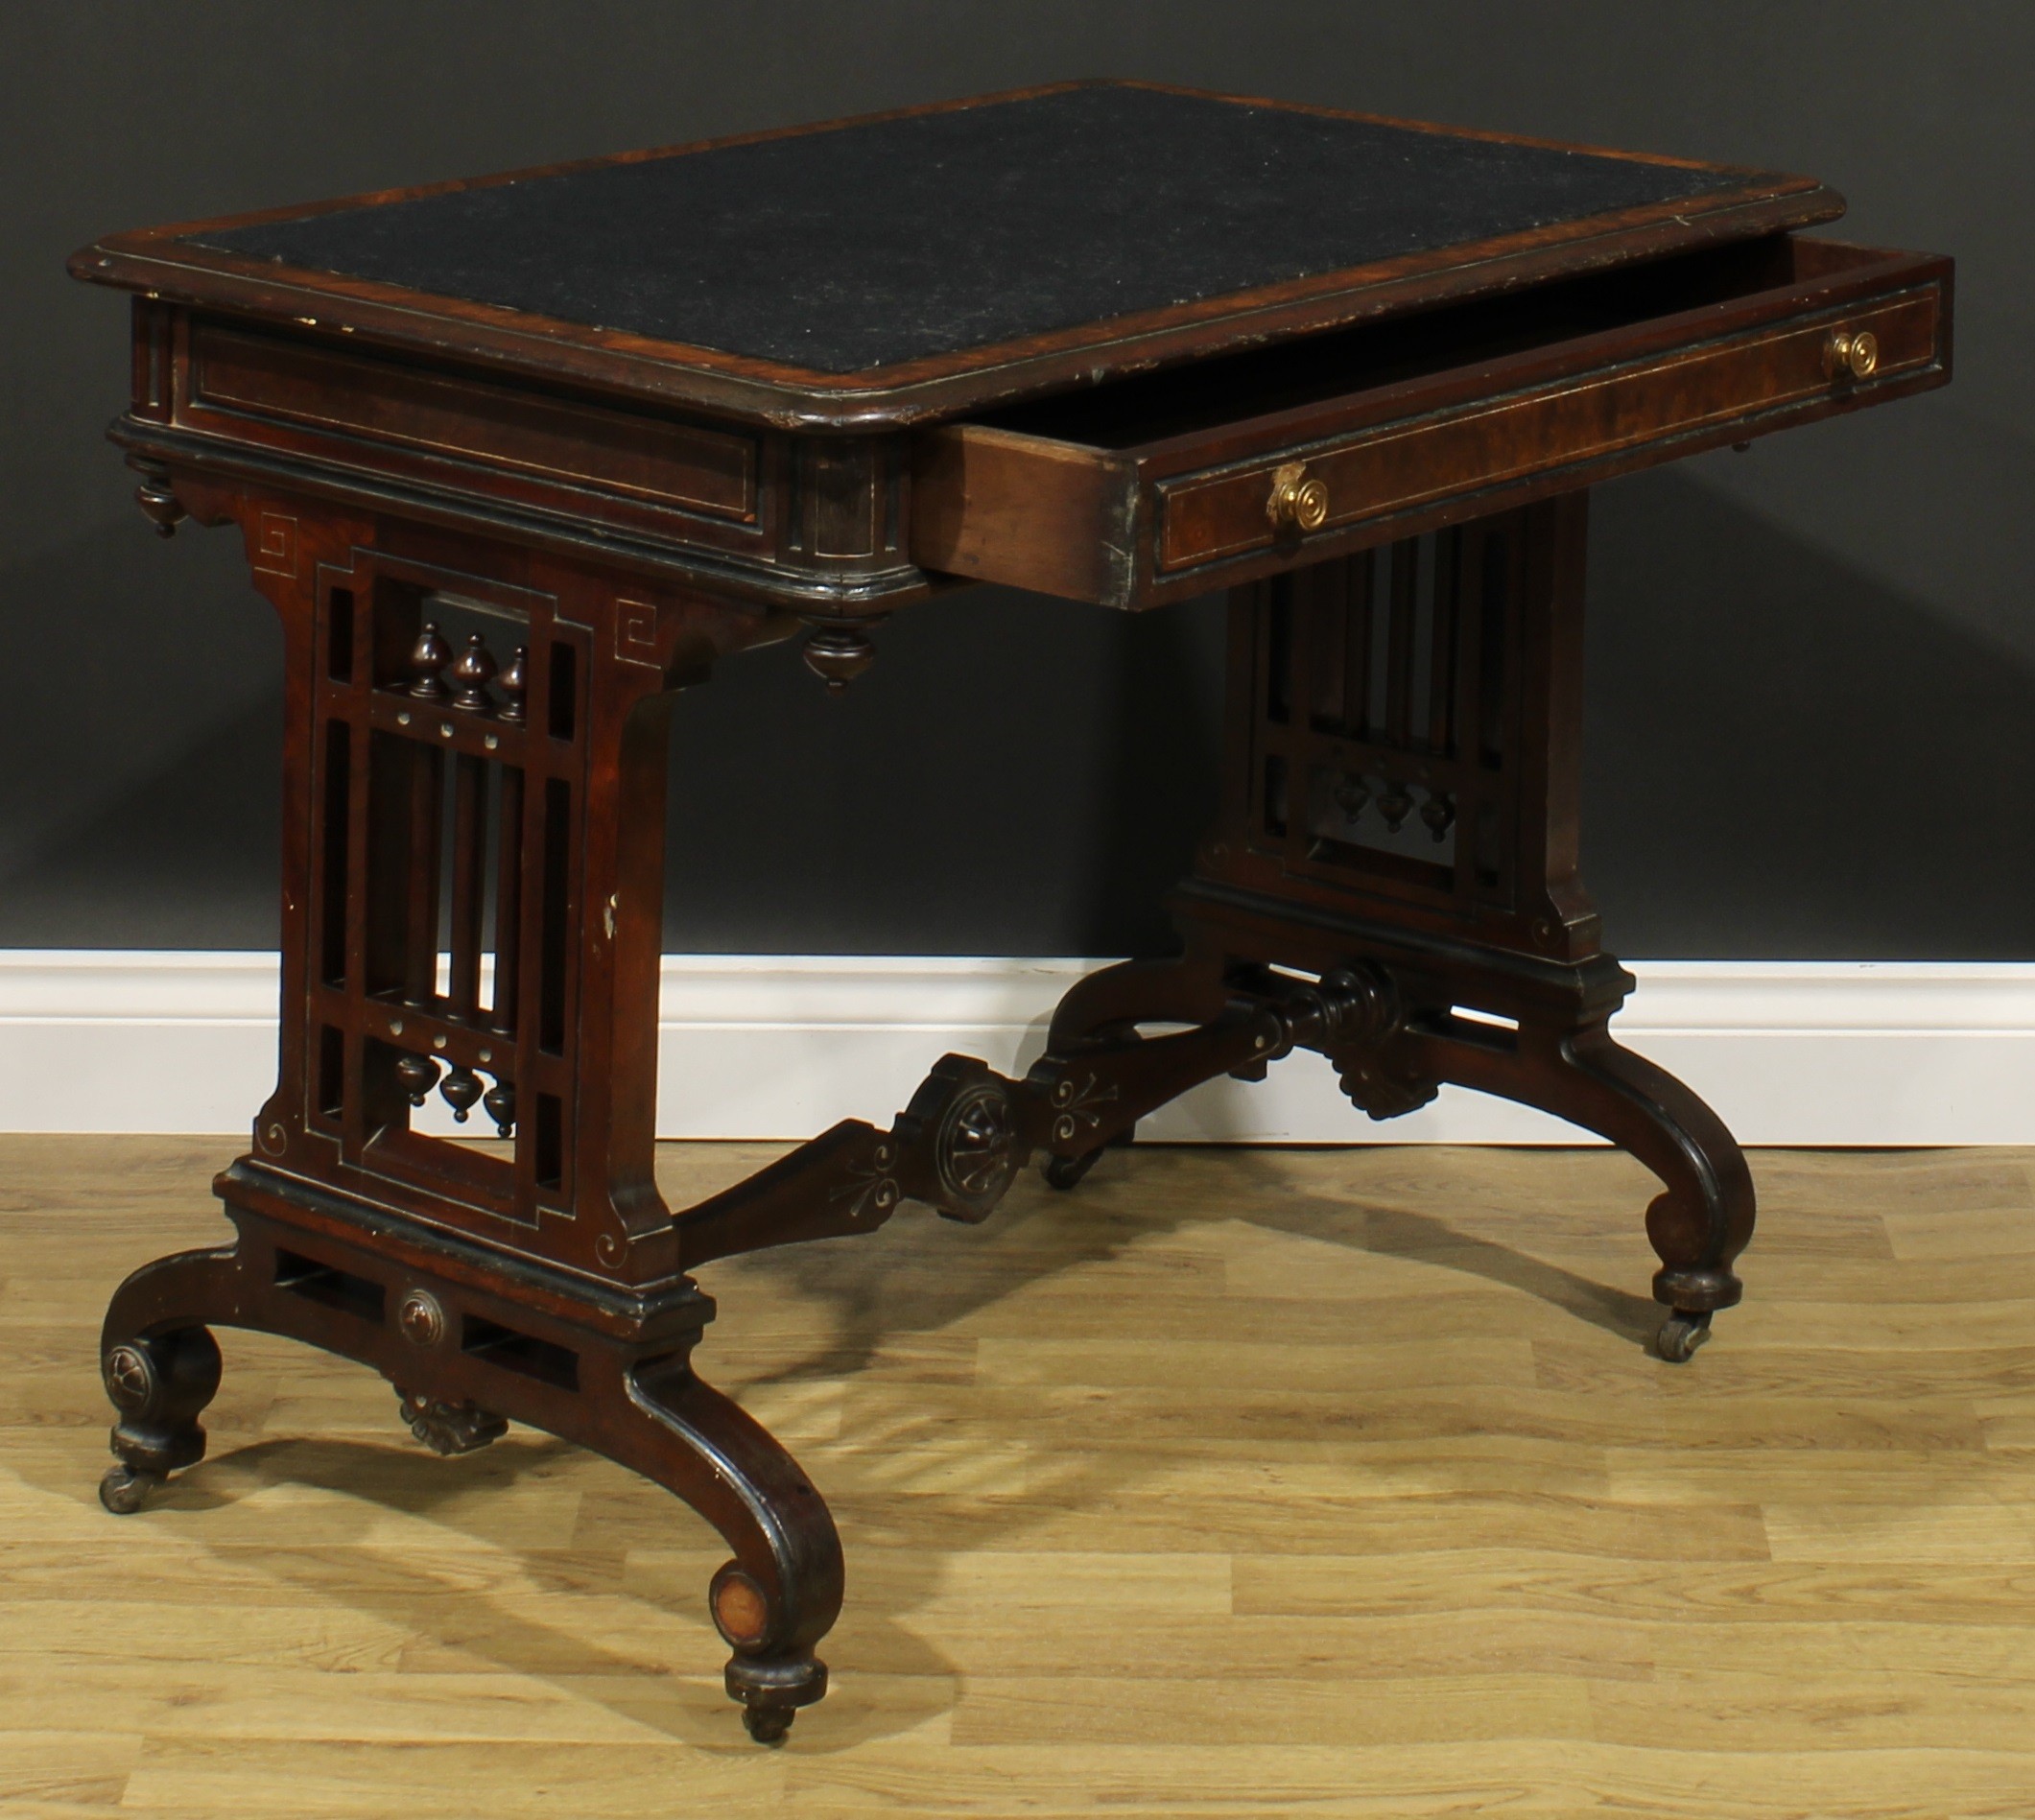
(836, 654)
(499, 1102)
(157, 498)
(461, 1090)
(416, 1076)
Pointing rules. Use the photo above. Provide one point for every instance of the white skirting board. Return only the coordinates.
(771, 1046)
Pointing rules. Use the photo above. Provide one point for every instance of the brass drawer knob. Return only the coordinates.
(1295, 501)
(1848, 354)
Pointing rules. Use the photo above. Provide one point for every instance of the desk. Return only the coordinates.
(518, 460)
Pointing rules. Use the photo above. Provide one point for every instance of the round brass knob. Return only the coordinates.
(1296, 501)
(1856, 355)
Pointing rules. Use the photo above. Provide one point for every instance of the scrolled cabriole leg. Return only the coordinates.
(781, 1593)
(1704, 1217)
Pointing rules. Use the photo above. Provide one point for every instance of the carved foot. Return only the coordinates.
(1681, 1334)
(1068, 1171)
(771, 1690)
(124, 1490)
(449, 1427)
(159, 1384)
(1703, 1219)
(780, 1595)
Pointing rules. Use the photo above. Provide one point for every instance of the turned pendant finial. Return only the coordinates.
(157, 498)
(461, 1090)
(499, 1102)
(836, 654)
(416, 1076)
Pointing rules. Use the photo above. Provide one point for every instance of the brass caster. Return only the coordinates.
(1681, 1334)
(768, 1724)
(125, 1489)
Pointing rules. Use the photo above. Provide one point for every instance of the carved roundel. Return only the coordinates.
(421, 1318)
(130, 1378)
(975, 1151)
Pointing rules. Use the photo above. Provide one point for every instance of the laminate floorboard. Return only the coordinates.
(1237, 1483)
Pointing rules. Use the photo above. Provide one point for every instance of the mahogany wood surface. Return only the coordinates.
(497, 552)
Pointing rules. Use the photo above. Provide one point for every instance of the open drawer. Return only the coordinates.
(1174, 482)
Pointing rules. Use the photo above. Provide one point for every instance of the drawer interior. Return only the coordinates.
(1156, 407)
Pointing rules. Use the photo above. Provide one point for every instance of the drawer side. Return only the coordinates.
(999, 506)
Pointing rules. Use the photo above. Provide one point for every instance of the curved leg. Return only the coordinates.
(1108, 1006)
(780, 1595)
(1185, 990)
(458, 1350)
(161, 1365)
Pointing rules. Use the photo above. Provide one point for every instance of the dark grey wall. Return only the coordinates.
(1813, 668)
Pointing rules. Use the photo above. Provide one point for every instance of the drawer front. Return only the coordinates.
(1410, 461)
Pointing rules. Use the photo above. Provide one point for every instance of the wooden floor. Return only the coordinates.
(1237, 1483)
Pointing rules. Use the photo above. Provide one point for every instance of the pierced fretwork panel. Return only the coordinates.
(1384, 729)
(451, 738)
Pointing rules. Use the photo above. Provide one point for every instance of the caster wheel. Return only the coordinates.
(1681, 1334)
(767, 1724)
(124, 1490)
(1066, 1172)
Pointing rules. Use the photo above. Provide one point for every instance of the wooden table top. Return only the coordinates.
(928, 260)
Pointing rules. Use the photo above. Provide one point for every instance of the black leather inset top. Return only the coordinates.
(864, 245)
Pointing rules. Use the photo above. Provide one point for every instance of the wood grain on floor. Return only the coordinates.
(1237, 1483)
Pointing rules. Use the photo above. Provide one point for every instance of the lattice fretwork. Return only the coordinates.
(1395, 738)
(452, 741)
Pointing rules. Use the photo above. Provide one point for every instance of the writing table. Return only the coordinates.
(517, 459)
